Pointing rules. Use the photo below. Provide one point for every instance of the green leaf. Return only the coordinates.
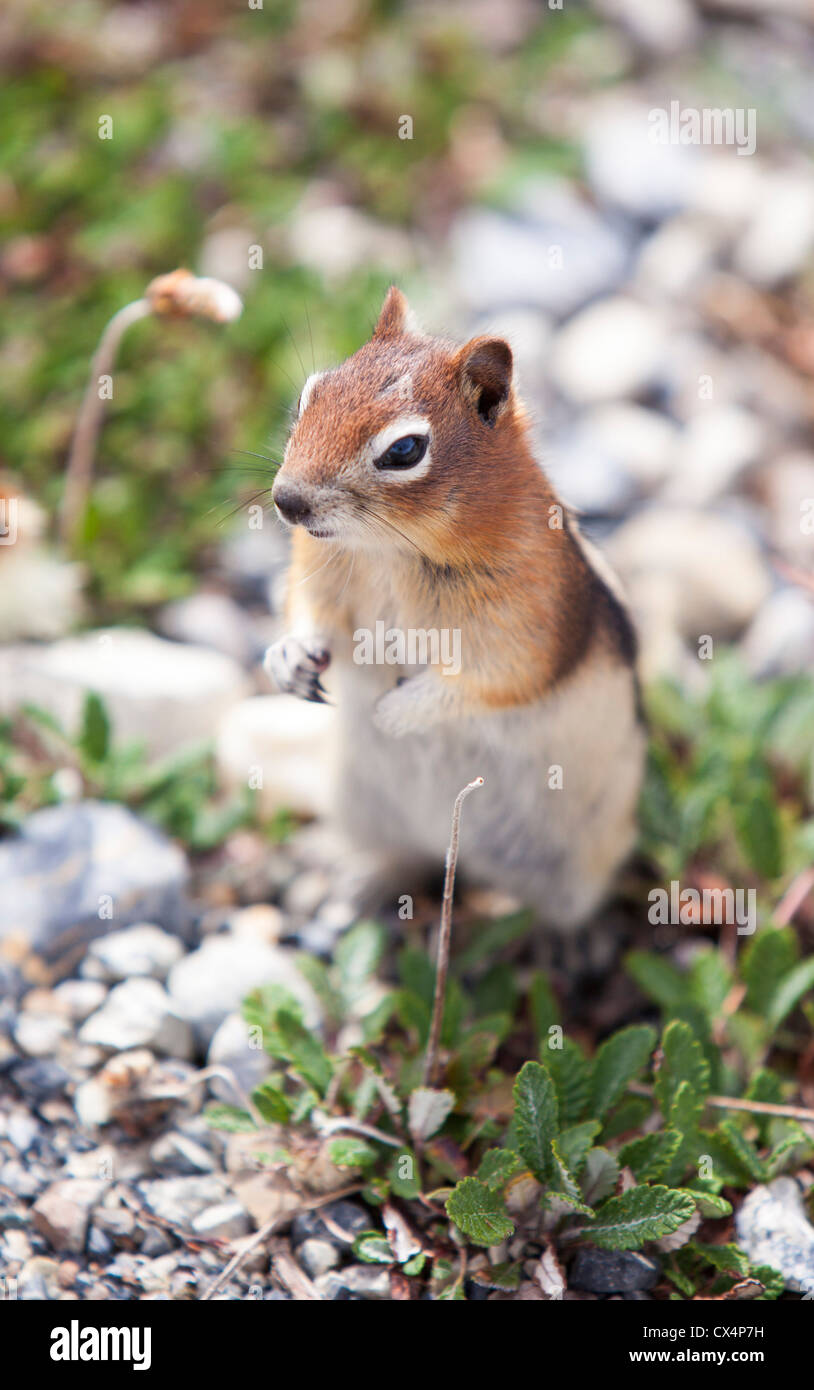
(744, 1153)
(708, 1203)
(545, 1010)
(357, 956)
(497, 1166)
(575, 1142)
(788, 993)
(649, 1156)
(571, 1073)
(351, 1152)
(769, 957)
(271, 1103)
(373, 1248)
(710, 980)
(757, 825)
(535, 1117)
(658, 978)
(617, 1061)
(304, 1051)
(562, 1180)
(230, 1118)
(94, 733)
(682, 1060)
(403, 1176)
(491, 938)
(599, 1176)
(643, 1213)
(728, 1258)
(479, 1213)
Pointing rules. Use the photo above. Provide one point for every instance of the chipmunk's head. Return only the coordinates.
(398, 443)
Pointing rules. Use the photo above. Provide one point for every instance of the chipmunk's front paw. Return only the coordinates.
(295, 668)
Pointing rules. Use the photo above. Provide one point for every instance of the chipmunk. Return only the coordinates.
(417, 504)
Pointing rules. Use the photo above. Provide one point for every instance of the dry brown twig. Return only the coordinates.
(444, 937)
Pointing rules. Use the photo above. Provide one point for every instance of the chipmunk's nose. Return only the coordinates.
(291, 504)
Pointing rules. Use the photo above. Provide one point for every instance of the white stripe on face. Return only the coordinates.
(305, 394)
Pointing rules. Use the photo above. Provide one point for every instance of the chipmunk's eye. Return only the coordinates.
(404, 453)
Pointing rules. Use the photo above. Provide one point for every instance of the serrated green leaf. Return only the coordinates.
(649, 1157)
(641, 1214)
(535, 1117)
(682, 1060)
(710, 980)
(709, 1203)
(757, 826)
(357, 956)
(497, 1166)
(479, 1212)
(545, 1010)
(617, 1062)
(599, 1176)
(728, 1258)
(562, 1181)
(574, 1143)
(744, 1153)
(571, 1073)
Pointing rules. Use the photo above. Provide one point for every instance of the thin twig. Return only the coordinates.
(341, 1122)
(444, 937)
(754, 1107)
(281, 1218)
(794, 897)
(80, 462)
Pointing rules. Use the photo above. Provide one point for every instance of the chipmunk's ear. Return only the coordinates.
(485, 374)
(396, 316)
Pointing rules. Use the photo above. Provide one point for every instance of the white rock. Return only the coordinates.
(773, 1228)
(780, 238)
(39, 1035)
(788, 485)
(139, 1013)
(676, 256)
(555, 255)
(687, 574)
(336, 239)
(140, 950)
(718, 443)
(780, 640)
(40, 596)
(79, 998)
(667, 28)
(161, 694)
(611, 349)
(628, 168)
(284, 743)
(614, 452)
(213, 981)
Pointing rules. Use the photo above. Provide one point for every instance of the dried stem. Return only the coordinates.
(751, 1107)
(83, 448)
(444, 937)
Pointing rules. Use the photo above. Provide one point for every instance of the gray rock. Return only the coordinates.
(250, 558)
(74, 870)
(41, 1078)
(773, 1228)
(62, 1213)
(224, 1221)
(717, 445)
(627, 168)
(139, 1013)
(613, 1271)
(178, 1153)
(348, 1220)
(780, 640)
(22, 1129)
(780, 237)
(555, 253)
(212, 982)
(140, 950)
(182, 1199)
(231, 1047)
(213, 620)
(317, 1256)
(23, 1181)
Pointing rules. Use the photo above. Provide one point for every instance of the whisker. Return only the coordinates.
(296, 349)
